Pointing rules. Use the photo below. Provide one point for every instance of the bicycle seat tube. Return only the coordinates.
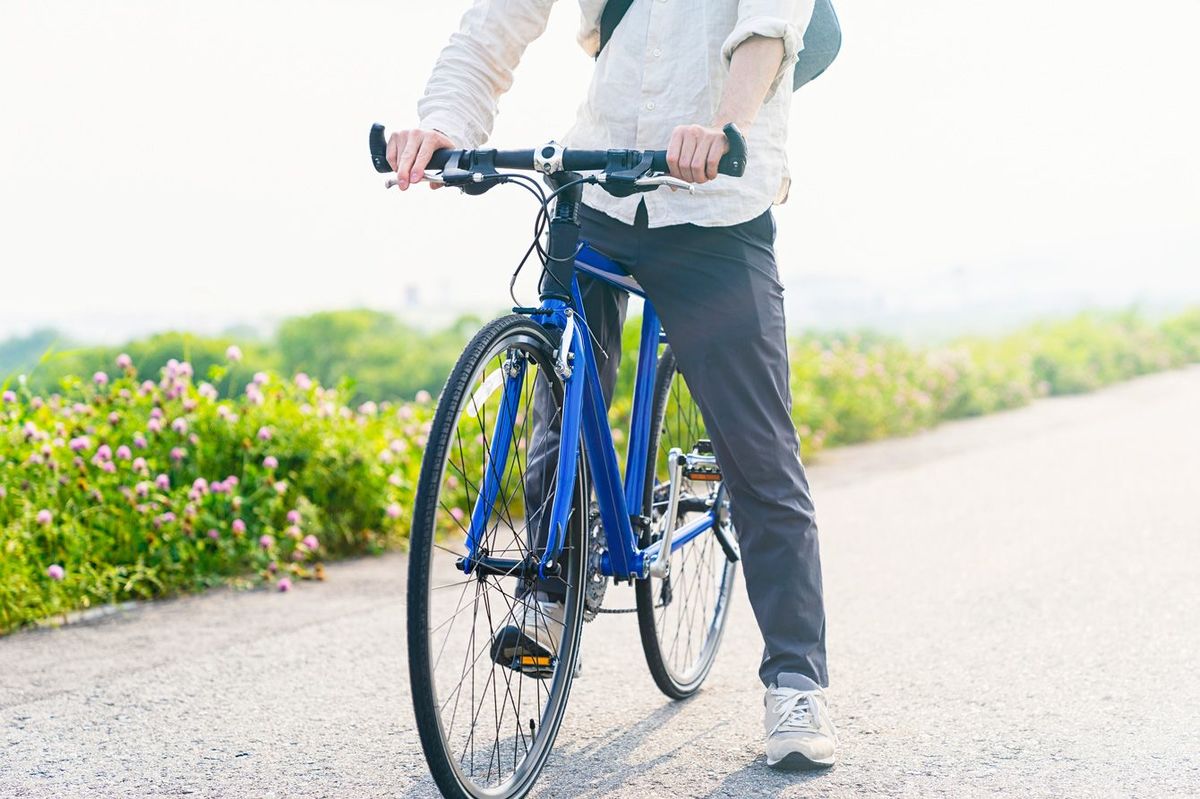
(564, 239)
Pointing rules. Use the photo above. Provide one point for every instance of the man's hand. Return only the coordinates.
(695, 151)
(409, 151)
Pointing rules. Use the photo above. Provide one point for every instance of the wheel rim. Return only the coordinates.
(691, 602)
(496, 724)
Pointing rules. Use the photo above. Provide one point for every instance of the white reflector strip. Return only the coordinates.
(486, 389)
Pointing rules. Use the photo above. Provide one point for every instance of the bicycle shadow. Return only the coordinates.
(574, 773)
(569, 768)
(600, 769)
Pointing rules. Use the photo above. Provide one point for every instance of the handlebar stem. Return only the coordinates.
(564, 238)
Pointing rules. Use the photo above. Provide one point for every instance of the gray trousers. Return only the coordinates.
(718, 294)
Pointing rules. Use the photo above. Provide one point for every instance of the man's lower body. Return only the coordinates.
(718, 294)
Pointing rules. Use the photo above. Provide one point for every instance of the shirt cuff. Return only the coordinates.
(771, 28)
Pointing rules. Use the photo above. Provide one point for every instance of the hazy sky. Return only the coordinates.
(185, 164)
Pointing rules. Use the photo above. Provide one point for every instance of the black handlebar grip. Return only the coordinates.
(734, 162)
(379, 152)
(379, 149)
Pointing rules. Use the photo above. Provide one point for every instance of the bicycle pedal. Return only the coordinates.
(700, 464)
(512, 649)
(536, 666)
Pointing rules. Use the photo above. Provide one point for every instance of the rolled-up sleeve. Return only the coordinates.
(774, 19)
(476, 67)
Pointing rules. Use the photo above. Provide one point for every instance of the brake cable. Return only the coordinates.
(539, 226)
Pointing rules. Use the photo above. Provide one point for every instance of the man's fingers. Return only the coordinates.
(687, 151)
(716, 149)
(673, 152)
(428, 145)
(700, 160)
(405, 167)
(394, 146)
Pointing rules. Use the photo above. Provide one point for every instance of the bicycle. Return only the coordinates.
(665, 526)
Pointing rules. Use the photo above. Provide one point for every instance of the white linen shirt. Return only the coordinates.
(665, 65)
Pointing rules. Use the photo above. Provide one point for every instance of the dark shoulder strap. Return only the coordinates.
(610, 18)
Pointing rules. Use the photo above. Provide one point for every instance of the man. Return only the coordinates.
(675, 72)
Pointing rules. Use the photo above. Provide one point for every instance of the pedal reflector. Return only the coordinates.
(702, 468)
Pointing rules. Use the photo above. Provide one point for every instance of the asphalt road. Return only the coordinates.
(1014, 610)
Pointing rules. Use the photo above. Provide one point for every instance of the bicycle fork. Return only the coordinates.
(496, 463)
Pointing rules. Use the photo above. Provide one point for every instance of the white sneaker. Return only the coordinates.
(800, 732)
(529, 642)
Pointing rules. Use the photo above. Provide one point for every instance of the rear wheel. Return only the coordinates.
(488, 718)
(682, 616)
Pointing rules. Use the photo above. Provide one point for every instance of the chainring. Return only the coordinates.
(594, 581)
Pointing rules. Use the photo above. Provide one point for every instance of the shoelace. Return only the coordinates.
(796, 711)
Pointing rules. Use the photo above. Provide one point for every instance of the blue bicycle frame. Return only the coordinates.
(584, 411)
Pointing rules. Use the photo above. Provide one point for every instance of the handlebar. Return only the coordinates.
(573, 160)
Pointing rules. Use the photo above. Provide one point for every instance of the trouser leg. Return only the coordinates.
(604, 308)
(721, 304)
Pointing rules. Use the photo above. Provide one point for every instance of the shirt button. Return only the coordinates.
(657, 52)
(650, 106)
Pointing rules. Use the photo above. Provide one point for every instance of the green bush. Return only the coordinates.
(1093, 350)
(115, 489)
(854, 388)
(382, 357)
(373, 355)
(152, 354)
(1182, 334)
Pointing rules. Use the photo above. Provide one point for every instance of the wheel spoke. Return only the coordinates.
(495, 722)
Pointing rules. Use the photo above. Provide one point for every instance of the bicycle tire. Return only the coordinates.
(708, 560)
(434, 503)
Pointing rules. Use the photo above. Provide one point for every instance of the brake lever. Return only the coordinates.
(666, 180)
(653, 182)
(428, 177)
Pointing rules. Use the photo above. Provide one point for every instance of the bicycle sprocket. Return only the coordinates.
(595, 583)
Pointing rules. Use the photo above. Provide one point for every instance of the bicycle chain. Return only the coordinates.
(627, 610)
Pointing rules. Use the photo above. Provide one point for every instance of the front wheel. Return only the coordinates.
(682, 616)
(488, 699)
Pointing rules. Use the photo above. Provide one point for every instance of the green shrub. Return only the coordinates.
(381, 356)
(138, 490)
(152, 354)
(1182, 334)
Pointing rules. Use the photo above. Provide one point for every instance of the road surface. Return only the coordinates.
(1014, 610)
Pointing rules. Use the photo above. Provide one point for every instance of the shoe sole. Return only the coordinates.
(795, 761)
